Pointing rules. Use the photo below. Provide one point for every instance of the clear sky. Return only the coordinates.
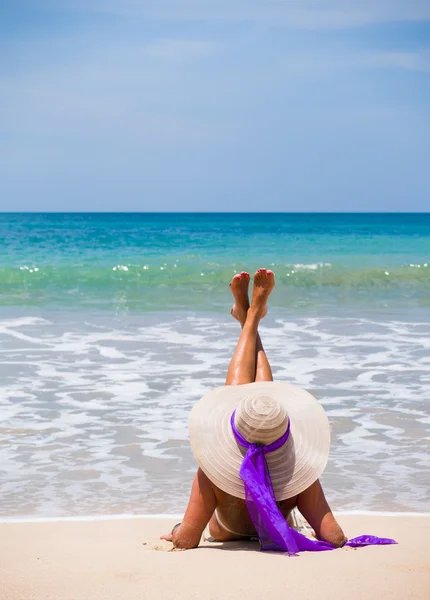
(196, 105)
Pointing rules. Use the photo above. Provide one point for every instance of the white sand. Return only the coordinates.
(124, 559)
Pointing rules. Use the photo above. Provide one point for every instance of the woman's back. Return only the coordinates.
(232, 516)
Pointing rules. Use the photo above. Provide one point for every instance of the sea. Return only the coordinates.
(113, 325)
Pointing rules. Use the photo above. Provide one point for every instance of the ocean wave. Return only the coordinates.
(202, 285)
(174, 273)
(312, 266)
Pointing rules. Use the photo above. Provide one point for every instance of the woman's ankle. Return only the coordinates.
(254, 315)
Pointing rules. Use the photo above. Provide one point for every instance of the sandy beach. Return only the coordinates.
(118, 559)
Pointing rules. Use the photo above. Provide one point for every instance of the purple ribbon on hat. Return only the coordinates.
(271, 526)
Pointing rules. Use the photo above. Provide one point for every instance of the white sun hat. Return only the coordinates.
(262, 413)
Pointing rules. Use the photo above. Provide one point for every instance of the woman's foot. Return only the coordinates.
(239, 288)
(264, 282)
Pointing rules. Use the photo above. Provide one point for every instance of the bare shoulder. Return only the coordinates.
(203, 480)
(226, 500)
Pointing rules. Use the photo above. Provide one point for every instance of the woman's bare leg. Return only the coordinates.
(249, 360)
(263, 370)
(244, 363)
(239, 289)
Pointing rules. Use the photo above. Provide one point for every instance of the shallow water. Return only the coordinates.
(112, 326)
(94, 415)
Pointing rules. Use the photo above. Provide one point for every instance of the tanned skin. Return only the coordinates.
(249, 363)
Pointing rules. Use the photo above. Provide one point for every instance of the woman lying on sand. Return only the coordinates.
(261, 447)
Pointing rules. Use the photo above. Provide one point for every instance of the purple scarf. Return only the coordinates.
(272, 528)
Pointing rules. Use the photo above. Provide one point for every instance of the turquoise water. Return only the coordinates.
(168, 261)
(113, 325)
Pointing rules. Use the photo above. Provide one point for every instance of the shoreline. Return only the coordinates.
(124, 558)
(173, 516)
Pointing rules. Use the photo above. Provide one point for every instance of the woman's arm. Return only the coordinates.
(201, 506)
(314, 507)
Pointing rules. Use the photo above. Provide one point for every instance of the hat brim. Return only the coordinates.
(293, 467)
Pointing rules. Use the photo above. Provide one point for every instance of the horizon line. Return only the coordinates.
(210, 212)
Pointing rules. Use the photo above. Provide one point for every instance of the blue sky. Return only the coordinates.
(215, 105)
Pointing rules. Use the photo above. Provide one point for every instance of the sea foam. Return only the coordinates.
(95, 412)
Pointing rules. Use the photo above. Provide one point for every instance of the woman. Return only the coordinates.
(257, 414)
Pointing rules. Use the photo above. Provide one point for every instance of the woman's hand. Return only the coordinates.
(183, 538)
(169, 536)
